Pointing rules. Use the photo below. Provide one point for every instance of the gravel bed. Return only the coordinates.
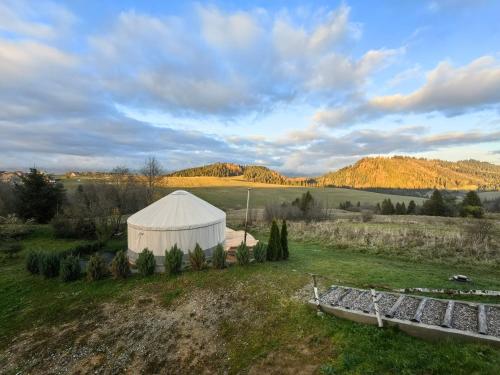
(331, 296)
(363, 302)
(464, 317)
(348, 300)
(386, 301)
(493, 320)
(407, 308)
(433, 313)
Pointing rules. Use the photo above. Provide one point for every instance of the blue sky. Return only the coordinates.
(302, 87)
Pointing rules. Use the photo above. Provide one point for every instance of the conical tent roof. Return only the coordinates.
(177, 211)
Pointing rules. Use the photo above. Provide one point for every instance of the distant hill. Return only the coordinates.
(411, 173)
(211, 170)
(251, 173)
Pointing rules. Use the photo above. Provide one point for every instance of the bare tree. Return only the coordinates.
(152, 171)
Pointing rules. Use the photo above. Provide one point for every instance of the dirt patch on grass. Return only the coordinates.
(144, 336)
(302, 358)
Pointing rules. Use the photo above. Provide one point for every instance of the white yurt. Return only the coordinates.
(179, 218)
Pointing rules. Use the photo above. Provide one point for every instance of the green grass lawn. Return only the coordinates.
(280, 324)
(235, 197)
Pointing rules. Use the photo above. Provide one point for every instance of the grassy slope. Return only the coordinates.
(235, 197)
(27, 301)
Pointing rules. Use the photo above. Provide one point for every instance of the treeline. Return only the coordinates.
(304, 207)
(439, 204)
(253, 173)
(94, 210)
(211, 170)
(411, 173)
(262, 174)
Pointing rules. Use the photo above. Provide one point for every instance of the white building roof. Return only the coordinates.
(177, 211)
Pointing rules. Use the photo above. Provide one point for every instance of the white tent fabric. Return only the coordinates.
(179, 218)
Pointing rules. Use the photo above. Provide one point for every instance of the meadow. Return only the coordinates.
(252, 319)
(217, 321)
(231, 192)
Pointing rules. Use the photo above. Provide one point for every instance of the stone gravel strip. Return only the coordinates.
(493, 320)
(464, 317)
(433, 313)
(348, 301)
(386, 302)
(363, 301)
(331, 296)
(407, 308)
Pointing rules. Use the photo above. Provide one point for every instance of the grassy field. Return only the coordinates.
(43, 321)
(233, 195)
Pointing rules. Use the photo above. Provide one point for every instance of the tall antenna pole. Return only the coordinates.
(246, 216)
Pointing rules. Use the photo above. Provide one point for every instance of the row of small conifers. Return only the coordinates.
(66, 264)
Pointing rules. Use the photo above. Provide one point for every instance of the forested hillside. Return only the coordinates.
(212, 170)
(397, 172)
(411, 173)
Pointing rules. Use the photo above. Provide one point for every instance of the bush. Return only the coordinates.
(67, 227)
(33, 262)
(366, 216)
(474, 211)
(284, 241)
(219, 257)
(259, 252)
(49, 265)
(120, 268)
(11, 249)
(243, 254)
(173, 260)
(274, 250)
(197, 258)
(97, 268)
(70, 268)
(87, 249)
(146, 263)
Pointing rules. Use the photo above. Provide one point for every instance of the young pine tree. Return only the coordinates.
(387, 207)
(219, 257)
(472, 199)
(120, 268)
(412, 208)
(146, 263)
(197, 258)
(173, 260)
(284, 240)
(434, 206)
(274, 250)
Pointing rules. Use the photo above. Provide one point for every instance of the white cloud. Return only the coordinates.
(448, 90)
(237, 30)
(40, 20)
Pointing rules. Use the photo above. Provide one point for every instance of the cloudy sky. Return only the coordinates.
(303, 87)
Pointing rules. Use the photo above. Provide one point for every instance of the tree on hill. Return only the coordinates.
(472, 205)
(472, 199)
(211, 170)
(387, 207)
(435, 205)
(38, 197)
(256, 173)
(400, 208)
(412, 208)
(415, 173)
